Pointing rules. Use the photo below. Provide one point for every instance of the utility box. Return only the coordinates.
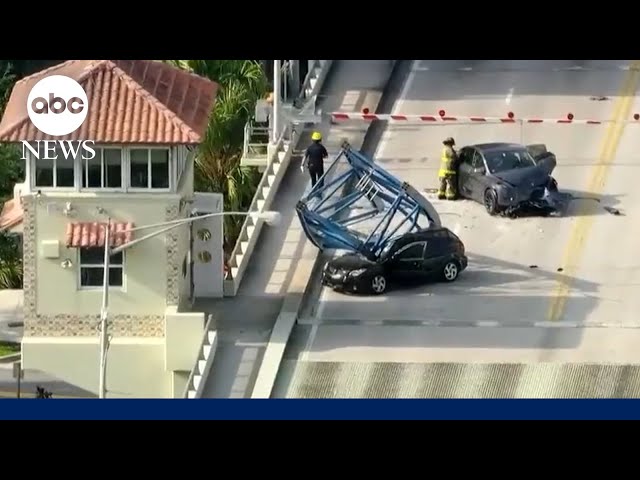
(50, 248)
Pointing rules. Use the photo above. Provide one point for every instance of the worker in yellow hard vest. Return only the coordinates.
(447, 173)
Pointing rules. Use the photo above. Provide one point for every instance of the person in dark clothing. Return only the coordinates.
(314, 159)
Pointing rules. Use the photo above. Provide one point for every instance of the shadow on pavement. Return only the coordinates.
(490, 290)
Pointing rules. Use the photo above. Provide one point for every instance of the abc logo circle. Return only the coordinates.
(57, 105)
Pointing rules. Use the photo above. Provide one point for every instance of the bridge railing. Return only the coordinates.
(277, 158)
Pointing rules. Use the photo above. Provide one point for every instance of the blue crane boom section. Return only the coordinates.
(323, 212)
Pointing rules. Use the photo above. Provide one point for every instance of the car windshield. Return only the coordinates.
(509, 160)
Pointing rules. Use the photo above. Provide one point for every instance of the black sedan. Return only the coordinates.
(507, 178)
(435, 253)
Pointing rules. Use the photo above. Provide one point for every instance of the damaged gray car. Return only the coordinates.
(509, 178)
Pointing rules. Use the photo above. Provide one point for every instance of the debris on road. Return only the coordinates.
(613, 211)
(598, 98)
(533, 266)
(560, 269)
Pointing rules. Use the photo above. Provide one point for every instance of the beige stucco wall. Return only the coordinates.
(54, 304)
(153, 347)
(135, 368)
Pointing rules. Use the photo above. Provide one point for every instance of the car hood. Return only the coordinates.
(351, 261)
(525, 177)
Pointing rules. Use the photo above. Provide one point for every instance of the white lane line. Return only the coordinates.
(465, 69)
(487, 323)
(509, 97)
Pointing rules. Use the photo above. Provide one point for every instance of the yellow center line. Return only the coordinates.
(597, 181)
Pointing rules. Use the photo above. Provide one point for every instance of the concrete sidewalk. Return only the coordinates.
(36, 378)
(283, 260)
(10, 314)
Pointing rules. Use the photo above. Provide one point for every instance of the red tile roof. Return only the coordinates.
(92, 234)
(130, 101)
(11, 214)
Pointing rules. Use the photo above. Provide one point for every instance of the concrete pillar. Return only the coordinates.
(208, 275)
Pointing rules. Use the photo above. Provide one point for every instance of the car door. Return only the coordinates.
(464, 171)
(437, 253)
(477, 177)
(407, 263)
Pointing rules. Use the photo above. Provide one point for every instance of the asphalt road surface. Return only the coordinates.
(529, 277)
(500, 286)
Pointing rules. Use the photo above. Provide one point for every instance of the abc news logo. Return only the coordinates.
(57, 106)
(41, 105)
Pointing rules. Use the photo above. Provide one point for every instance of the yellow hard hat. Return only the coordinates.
(316, 136)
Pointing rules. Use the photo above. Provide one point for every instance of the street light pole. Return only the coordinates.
(102, 386)
(277, 90)
(270, 217)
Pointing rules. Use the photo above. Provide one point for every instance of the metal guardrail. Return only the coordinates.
(255, 153)
(254, 204)
(307, 80)
(205, 340)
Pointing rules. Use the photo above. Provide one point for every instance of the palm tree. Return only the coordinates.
(11, 171)
(7, 79)
(242, 83)
(10, 262)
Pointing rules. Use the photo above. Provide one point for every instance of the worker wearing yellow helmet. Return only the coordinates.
(314, 159)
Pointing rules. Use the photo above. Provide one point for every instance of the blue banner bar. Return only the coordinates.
(210, 409)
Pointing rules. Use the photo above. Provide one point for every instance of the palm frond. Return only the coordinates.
(217, 164)
(10, 262)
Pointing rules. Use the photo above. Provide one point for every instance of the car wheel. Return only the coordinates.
(491, 201)
(378, 284)
(450, 271)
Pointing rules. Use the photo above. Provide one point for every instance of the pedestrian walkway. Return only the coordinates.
(283, 259)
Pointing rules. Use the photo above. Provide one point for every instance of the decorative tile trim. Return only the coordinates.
(29, 259)
(67, 325)
(172, 212)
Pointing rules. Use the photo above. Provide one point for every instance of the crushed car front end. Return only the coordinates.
(348, 273)
(544, 197)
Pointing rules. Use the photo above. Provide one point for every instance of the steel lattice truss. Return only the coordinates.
(391, 207)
